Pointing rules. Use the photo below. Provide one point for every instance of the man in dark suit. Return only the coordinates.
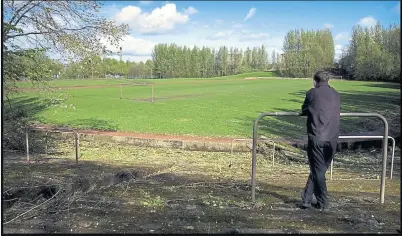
(322, 108)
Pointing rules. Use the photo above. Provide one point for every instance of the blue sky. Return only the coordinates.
(239, 23)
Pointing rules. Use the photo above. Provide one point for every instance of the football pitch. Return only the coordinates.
(215, 107)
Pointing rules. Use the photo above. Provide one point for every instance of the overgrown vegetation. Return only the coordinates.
(128, 189)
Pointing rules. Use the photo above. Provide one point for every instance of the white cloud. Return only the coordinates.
(328, 26)
(132, 46)
(253, 37)
(190, 11)
(218, 23)
(397, 8)
(367, 21)
(220, 35)
(145, 2)
(160, 20)
(237, 25)
(109, 11)
(341, 36)
(250, 13)
(338, 51)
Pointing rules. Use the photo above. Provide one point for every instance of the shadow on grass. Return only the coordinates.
(383, 85)
(149, 200)
(275, 73)
(17, 116)
(25, 106)
(21, 113)
(294, 128)
(95, 124)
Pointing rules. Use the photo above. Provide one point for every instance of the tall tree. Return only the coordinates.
(307, 51)
(373, 54)
(273, 62)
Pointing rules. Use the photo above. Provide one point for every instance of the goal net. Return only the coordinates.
(336, 77)
(138, 92)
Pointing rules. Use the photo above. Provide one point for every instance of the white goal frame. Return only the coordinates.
(337, 77)
(139, 84)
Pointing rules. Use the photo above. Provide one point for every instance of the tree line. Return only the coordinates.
(98, 67)
(306, 52)
(373, 54)
(173, 61)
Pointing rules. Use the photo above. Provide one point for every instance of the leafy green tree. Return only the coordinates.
(307, 51)
(373, 54)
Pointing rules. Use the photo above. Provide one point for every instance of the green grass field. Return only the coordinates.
(218, 107)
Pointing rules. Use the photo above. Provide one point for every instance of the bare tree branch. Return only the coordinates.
(23, 14)
(16, 14)
(71, 25)
(51, 32)
(32, 208)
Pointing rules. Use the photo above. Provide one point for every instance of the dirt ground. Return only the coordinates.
(128, 189)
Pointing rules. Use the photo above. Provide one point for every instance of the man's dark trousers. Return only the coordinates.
(320, 155)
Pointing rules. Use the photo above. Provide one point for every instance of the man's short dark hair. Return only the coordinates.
(322, 76)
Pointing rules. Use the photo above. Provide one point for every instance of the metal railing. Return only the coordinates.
(384, 146)
(370, 137)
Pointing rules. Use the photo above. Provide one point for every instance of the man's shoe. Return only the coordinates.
(322, 207)
(305, 205)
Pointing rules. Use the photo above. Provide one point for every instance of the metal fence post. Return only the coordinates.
(152, 93)
(27, 143)
(76, 147)
(392, 157)
(273, 156)
(46, 137)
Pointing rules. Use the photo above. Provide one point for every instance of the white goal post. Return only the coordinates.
(138, 84)
(336, 77)
(253, 78)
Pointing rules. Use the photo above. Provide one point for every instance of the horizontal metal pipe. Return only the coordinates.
(299, 114)
(370, 137)
(384, 151)
(362, 137)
